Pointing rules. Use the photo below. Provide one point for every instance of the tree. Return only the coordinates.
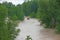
(8, 21)
(4, 33)
(19, 12)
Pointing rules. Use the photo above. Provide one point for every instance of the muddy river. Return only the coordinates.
(33, 28)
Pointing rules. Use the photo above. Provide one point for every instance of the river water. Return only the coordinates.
(33, 28)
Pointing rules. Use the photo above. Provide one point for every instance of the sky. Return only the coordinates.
(13, 1)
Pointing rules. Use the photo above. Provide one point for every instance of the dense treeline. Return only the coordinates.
(9, 17)
(15, 11)
(30, 7)
(47, 11)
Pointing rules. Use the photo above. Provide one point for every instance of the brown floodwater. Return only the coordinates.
(33, 28)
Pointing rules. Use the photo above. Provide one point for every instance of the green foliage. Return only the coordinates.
(28, 38)
(48, 13)
(19, 12)
(58, 28)
(32, 15)
(38, 14)
(14, 18)
(4, 33)
(29, 7)
(9, 16)
(15, 11)
(12, 30)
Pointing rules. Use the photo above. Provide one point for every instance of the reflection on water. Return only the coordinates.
(33, 28)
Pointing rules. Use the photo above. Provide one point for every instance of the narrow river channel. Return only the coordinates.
(33, 28)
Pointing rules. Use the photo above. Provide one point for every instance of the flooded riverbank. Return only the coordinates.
(33, 28)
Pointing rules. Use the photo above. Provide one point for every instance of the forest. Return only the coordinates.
(47, 11)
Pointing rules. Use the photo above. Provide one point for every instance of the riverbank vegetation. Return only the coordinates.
(47, 11)
(9, 17)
